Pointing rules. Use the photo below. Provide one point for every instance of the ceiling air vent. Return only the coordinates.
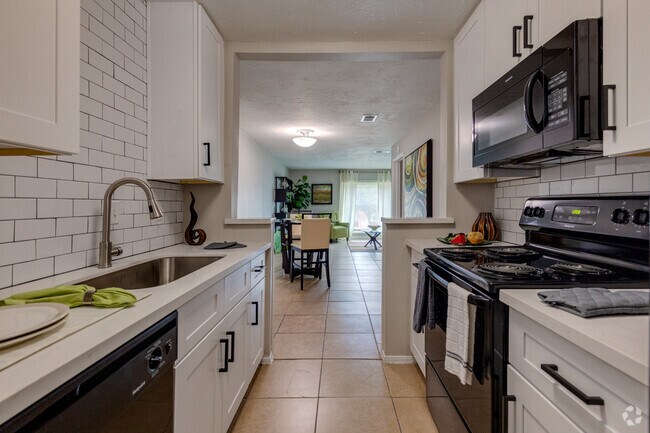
(368, 118)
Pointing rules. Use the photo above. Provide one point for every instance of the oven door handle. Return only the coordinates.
(472, 298)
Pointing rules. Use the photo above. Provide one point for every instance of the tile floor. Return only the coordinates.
(327, 375)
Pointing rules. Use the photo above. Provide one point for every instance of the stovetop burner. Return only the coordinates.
(577, 270)
(461, 254)
(508, 270)
(511, 254)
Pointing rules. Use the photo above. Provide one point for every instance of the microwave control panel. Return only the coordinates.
(557, 99)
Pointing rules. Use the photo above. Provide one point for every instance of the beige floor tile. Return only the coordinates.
(371, 287)
(336, 278)
(287, 378)
(353, 378)
(347, 308)
(307, 308)
(345, 286)
(375, 320)
(374, 307)
(356, 415)
(370, 278)
(413, 415)
(405, 380)
(346, 296)
(346, 271)
(283, 296)
(372, 296)
(277, 320)
(278, 415)
(312, 294)
(298, 346)
(348, 324)
(302, 324)
(280, 307)
(349, 346)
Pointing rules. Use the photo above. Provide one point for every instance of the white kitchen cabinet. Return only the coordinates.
(503, 28)
(255, 329)
(39, 77)
(626, 63)
(198, 386)
(549, 17)
(469, 81)
(186, 94)
(531, 412)
(234, 381)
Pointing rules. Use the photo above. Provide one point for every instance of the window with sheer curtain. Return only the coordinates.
(365, 197)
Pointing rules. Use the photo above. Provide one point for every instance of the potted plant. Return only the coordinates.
(299, 195)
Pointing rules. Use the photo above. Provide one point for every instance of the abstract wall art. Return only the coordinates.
(418, 182)
(321, 193)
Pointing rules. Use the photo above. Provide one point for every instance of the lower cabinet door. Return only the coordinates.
(198, 387)
(531, 412)
(233, 382)
(255, 328)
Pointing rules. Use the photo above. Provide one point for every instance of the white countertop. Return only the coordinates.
(25, 382)
(621, 341)
(420, 244)
(407, 221)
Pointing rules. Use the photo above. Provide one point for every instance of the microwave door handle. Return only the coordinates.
(529, 116)
(583, 117)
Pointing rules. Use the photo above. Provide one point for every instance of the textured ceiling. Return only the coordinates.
(278, 97)
(338, 20)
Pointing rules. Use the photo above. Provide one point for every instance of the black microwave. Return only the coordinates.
(547, 107)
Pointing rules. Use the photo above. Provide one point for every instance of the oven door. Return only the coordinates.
(473, 402)
(509, 116)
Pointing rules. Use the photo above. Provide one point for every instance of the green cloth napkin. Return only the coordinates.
(73, 296)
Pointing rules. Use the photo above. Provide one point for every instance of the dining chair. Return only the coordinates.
(313, 248)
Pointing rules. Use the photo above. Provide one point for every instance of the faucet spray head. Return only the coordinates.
(154, 210)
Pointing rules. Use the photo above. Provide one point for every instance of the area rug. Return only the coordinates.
(359, 245)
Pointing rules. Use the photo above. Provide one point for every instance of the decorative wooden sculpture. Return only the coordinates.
(194, 237)
(486, 224)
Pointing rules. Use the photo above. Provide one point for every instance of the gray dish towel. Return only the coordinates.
(597, 301)
(423, 308)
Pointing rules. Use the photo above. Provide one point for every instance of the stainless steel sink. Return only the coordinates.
(152, 273)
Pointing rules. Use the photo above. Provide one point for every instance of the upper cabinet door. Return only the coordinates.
(549, 17)
(503, 36)
(469, 81)
(39, 76)
(210, 96)
(626, 65)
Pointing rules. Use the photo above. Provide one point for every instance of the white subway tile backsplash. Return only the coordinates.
(600, 167)
(631, 164)
(35, 229)
(17, 208)
(572, 171)
(560, 188)
(618, 183)
(584, 186)
(34, 270)
(550, 173)
(52, 226)
(641, 182)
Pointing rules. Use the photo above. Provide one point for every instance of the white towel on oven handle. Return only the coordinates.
(461, 320)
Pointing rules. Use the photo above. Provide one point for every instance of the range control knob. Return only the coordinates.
(536, 211)
(541, 212)
(620, 216)
(155, 359)
(640, 217)
(528, 211)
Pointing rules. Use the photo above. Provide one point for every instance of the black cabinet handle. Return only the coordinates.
(515, 31)
(606, 89)
(552, 370)
(527, 20)
(205, 164)
(231, 357)
(224, 369)
(506, 399)
(257, 313)
(258, 269)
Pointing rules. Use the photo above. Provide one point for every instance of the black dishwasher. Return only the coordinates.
(130, 390)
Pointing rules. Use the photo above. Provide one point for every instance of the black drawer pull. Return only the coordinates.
(552, 370)
(527, 20)
(257, 313)
(231, 357)
(224, 369)
(206, 164)
(258, 269)
(515, 50)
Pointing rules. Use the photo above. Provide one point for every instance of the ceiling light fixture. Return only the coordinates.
(304, 140)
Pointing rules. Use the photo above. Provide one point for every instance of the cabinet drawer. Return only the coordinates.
(198, 316)
(258, 269)
(532, 412)
(237, 285)
(532, 345)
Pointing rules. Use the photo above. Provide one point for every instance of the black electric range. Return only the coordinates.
(570, 242)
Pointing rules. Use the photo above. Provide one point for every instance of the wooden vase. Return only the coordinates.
(486, 224)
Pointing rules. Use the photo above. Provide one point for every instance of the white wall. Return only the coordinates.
(257, 171)
(50, 207)
(322, 176)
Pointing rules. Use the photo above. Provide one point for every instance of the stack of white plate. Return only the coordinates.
(19, 323)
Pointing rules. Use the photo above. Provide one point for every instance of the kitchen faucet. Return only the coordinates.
(106, 249)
